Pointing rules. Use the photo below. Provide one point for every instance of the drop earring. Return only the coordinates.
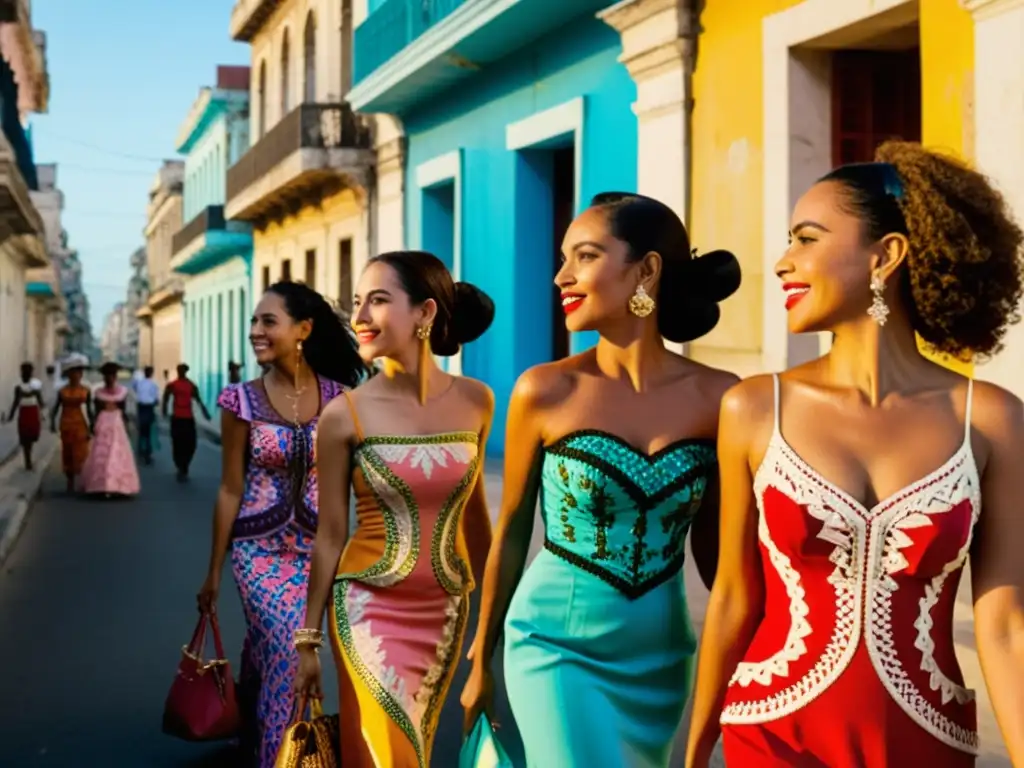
(878, 311)
(640, 303)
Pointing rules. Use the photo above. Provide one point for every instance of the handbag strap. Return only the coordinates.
(198, 641)
(218, 644)
(316, 709)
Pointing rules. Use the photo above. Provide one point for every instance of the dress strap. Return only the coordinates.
(355, 416)
(967, 411)
(778, 402)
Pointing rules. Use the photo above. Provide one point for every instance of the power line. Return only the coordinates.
(107, 171)
(106, 214)
(97, 148)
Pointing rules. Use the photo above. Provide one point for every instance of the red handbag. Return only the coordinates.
(201, 705)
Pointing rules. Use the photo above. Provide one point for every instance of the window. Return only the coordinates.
(286, 101)
(266, 278)
(876, 95)
(309, 54)
(286, 270)
(345, 274)
(311, 268)
(261, 105)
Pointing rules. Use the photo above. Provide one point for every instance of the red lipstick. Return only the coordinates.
(794, 292)
(571, 302)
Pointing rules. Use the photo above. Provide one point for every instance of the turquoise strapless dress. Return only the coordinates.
(599, 647)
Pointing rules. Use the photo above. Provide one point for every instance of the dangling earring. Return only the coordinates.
(640, 303)
(423, 332)
(878, 311)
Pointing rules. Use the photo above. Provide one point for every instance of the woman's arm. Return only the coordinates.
(234, 435)
(90, 411)
(997, 567)
(54, 412)
(334, 436)
(737, 596)
(14, 405)
(476, 519)
(523, 458)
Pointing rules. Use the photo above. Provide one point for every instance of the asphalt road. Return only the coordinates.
(95, 603)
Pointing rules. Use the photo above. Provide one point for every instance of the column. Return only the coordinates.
(658, 40)
(387, 228)
(999, 151)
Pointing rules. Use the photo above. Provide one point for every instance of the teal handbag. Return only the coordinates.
(482, 749)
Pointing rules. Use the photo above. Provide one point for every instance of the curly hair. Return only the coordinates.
(965, 265)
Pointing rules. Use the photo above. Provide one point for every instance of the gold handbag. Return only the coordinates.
(310, 743)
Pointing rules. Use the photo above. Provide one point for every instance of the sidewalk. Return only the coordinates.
(19, 488)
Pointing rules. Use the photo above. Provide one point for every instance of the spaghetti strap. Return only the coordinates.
(967, 410)
(355, 416)
(778, 401)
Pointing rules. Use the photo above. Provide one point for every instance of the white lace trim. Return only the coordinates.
(937, 494)
(846, 526)
(426, 456)
(847, 586)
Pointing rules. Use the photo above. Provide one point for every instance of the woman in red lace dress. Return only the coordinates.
(856, 487)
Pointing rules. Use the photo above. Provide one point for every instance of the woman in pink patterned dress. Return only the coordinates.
(110, 469)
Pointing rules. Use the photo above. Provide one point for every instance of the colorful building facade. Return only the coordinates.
(514, 115)
(213, 254)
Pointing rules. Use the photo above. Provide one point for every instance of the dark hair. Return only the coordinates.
(963, 280)
(330, 350)
(109, 368)
(464, 312)
(691, 286)
(147, 371)
(27, 367)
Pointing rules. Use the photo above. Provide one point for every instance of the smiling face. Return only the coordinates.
(383, 317)
(826, 270)
(74, 376)
(596, 279)
(273, 333)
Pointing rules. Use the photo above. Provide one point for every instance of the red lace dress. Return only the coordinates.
(853, 665)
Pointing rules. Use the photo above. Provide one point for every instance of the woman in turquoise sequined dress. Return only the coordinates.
(620, 443)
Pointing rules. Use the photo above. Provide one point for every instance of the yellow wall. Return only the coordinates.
(314, 228)
(947, 92)
(727, 167)
(727, 133)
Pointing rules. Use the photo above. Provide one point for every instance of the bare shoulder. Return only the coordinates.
(997, 413)
(750, 400)
(545, 385)
(479, 395)
(713, 381)
(336, 420)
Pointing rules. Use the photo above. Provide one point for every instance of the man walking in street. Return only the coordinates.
(183, 424)
(147, 395)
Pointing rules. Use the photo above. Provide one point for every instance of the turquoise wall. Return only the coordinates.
(507, 235)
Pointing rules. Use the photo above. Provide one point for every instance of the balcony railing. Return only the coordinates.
(392, 27)
(308, 126)
(211, 217)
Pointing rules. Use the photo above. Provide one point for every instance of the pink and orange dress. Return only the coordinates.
(401, 597)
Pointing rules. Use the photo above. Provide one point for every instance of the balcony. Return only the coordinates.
(21, 226)
(409, 50)
(41, 284)
(315, 151)
(169, 292)
(208, 240)
(248, 18)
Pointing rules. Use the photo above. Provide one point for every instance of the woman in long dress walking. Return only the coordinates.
(409, 443)
(110, 469)
(28, 404)
(266, 511)
(74, 406)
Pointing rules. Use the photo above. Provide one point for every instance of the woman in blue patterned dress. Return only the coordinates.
(266, 506)
(598, 641)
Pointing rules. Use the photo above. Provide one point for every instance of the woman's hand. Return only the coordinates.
(308, 682)
(478, 695)
(207, 597)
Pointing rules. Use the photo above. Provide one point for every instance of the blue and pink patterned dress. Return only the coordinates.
(272, 542)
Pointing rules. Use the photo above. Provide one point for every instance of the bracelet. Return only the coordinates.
(313, 637)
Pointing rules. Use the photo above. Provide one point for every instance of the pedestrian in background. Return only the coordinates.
(110, 468)
(50, 386)
(184, 437)
(234, 373)
(74, 404)
(28, 402)
(147, 395)
(266, 510)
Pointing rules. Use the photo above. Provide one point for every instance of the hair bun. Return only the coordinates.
(472, 315)
(690, 293)
(714, 276)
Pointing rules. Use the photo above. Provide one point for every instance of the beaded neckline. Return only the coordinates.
(652, 457)
(435, 438)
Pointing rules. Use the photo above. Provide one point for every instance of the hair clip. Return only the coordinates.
(891, 181)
